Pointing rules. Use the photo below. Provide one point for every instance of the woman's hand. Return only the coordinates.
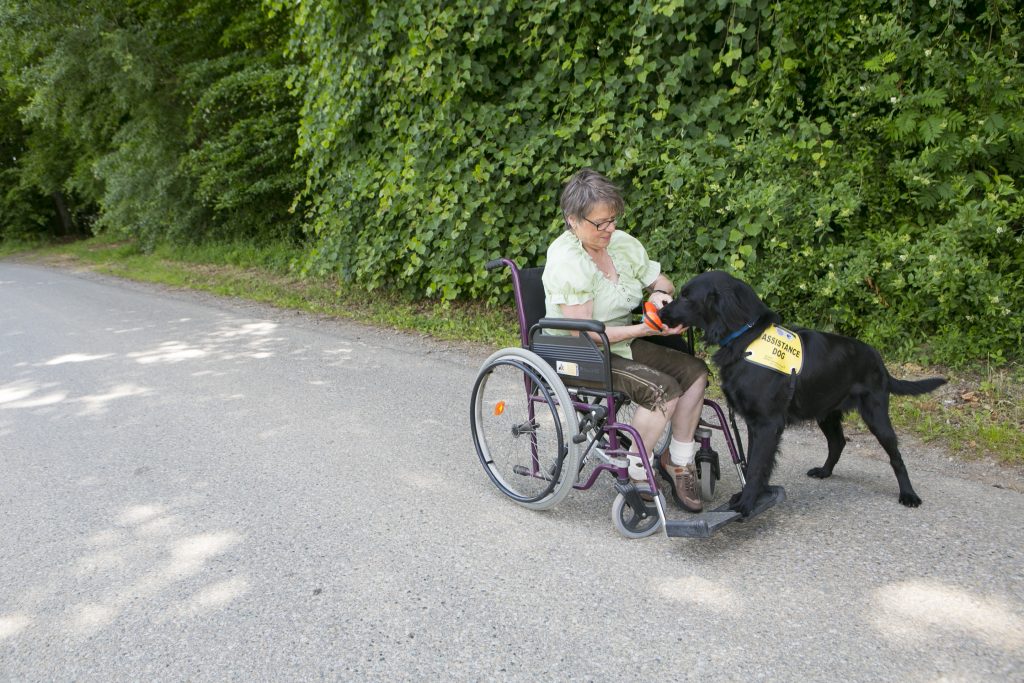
(659, 299)
(648, 331)
(668, 331)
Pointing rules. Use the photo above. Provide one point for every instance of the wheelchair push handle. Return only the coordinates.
(496, 263)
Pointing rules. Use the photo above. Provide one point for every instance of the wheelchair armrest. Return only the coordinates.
(581, 356)
(571, 324)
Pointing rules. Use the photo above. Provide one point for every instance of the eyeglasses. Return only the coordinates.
(603, 225)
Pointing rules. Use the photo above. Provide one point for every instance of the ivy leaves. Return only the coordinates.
(772, 141)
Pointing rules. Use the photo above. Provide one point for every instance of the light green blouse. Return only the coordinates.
(571, 277)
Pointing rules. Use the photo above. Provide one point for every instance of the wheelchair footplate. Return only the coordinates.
(707, 523)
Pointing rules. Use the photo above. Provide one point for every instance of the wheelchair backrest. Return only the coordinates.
(531, 296)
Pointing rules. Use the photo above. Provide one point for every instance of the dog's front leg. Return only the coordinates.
(764, 435)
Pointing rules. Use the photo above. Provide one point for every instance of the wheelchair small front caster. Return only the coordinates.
(634, 511)
(707, 472)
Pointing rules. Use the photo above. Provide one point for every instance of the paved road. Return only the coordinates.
(196, 488)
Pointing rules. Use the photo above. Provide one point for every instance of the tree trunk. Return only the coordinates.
(67, 226)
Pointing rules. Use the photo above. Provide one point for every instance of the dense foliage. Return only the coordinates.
(858, 162)
(159, 119)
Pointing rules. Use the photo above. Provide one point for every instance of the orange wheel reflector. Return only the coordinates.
(499, 408)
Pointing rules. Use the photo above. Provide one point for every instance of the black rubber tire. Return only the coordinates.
(532, 460)
(707, 481)
(629, 522)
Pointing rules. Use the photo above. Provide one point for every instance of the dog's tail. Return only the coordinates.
(903, 387)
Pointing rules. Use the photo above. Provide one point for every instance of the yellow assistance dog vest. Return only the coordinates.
(778, 349)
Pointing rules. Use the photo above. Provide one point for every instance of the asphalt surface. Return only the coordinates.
(198, 488)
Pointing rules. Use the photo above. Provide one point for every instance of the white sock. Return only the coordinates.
(682, 452)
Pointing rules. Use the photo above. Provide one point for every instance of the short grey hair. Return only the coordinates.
(584, 190)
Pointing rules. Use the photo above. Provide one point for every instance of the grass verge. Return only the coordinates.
(263, 274)
(978, 415)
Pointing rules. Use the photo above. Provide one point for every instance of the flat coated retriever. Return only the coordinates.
(837, 374)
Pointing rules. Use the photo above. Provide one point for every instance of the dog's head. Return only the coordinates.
(715, 302)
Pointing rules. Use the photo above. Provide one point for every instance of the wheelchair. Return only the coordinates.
(536, 434)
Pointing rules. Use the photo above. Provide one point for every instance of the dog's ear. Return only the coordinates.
(714, 312)
(735, 304)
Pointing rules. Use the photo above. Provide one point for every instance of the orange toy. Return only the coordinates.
(651, 317)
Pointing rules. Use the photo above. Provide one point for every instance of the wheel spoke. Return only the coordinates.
(522, 436)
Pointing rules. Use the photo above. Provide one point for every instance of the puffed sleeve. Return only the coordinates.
(566, 279)
(634, 255)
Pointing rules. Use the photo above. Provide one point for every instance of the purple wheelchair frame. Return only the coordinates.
(612, 428)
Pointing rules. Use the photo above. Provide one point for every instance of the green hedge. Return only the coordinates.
(858, 162)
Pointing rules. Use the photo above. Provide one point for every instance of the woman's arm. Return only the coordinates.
(617, 333)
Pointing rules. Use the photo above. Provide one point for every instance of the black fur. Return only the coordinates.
(839, 374)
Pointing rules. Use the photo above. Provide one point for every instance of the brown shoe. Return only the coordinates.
(682, 481)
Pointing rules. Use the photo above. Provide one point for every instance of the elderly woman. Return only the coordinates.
(596, 272)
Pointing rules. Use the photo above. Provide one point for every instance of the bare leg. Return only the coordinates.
(686, 415)
(651, 423)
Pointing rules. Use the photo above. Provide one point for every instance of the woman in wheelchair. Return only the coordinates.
(596, 272)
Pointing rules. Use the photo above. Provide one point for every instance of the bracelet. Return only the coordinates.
(661, 291)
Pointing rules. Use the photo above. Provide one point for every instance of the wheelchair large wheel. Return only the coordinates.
(523, 426)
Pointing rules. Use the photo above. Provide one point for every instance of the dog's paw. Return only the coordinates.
(911, 500)
(742, 505)
(819, 473)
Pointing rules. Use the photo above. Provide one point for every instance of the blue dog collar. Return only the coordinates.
(728, 340)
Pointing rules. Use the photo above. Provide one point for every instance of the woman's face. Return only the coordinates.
(595, 229)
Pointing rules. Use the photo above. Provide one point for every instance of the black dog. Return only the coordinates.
(837, 374)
